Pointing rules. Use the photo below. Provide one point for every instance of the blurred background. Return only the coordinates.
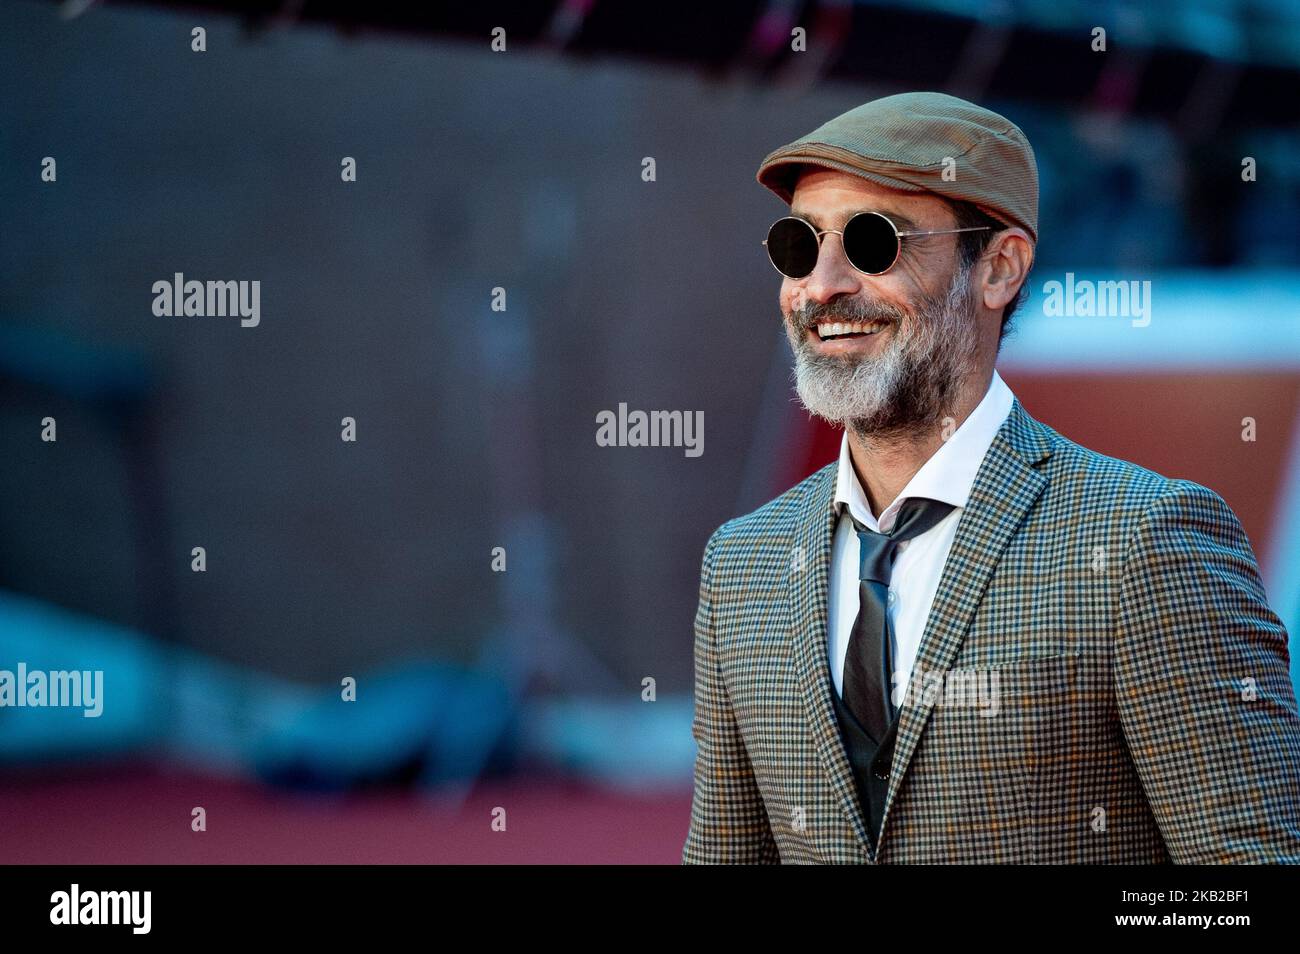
(557, 688)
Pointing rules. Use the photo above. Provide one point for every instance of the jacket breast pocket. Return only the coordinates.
(988, 733)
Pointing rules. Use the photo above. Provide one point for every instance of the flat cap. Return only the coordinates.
(908, 141)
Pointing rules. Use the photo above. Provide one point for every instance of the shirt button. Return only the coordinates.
(893, 597)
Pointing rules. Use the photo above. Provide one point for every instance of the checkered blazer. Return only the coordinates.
(1145, 712)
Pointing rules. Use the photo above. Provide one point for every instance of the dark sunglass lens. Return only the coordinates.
(870, 243)
(792, 247)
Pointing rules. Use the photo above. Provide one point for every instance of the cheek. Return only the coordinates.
(907, 286)
(900, 294)
(793, 297)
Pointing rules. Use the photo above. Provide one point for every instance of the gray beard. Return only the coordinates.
(912, 385)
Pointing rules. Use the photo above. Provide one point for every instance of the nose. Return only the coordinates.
(833, 275)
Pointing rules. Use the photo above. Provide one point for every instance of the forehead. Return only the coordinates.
(826, 197)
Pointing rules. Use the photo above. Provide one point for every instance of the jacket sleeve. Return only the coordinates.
(728, 819)
(1203, 688)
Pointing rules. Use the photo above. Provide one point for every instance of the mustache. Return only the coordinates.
(804, 319)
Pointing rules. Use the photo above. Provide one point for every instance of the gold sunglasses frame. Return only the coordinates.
(899, 236)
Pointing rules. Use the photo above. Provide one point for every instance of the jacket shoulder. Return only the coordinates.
(1090, 479)
(777, 518)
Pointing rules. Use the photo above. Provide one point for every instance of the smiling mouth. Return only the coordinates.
(835, 330)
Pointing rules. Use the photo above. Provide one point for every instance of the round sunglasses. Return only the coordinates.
(872, 243)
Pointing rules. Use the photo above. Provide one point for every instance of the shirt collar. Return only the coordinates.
(948, 475)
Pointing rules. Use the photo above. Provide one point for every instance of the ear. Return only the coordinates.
(1006, 264)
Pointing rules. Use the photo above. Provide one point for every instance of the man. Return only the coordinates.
(969, 639)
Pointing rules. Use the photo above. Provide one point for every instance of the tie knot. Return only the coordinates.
(877, 550)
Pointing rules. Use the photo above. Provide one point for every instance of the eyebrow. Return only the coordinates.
(904, 223)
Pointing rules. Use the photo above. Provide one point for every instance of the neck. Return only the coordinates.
(885, 463)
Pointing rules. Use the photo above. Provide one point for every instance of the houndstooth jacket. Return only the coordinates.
(1144, 711)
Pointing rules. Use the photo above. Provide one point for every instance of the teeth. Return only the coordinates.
(832, 328)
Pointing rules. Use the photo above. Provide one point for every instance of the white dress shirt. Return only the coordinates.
(948, 476)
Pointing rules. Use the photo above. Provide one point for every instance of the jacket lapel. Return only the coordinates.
(1005, 487)
(807, 591)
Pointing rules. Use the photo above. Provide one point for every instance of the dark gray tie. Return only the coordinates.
(868, 663)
